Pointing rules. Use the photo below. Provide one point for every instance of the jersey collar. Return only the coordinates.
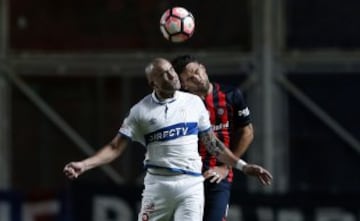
(166, 101)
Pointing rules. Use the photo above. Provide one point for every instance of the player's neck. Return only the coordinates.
(162, 95)
(209, 91)
(211, 88)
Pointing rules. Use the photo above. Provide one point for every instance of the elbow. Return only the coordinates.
(248, 133)
(250, 137)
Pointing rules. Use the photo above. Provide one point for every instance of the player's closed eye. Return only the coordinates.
(194, 74)
(169, 71)
(197, 69)
(170, 74)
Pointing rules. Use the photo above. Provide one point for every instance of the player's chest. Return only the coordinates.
(166, 115)
(219, 110)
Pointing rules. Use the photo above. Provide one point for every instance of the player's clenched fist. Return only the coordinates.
(262, 174)
(74, 169)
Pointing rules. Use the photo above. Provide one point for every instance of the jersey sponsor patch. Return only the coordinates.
(220, 126)
(172, 132)
(244, 112)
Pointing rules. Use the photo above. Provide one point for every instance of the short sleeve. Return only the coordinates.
(204, 119)
(241, 110)
(130, 127)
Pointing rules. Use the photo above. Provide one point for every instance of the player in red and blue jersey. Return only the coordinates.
(230, 119)
(169, 124)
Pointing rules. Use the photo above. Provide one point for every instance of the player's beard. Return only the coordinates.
(169, 88)
(203, 88)
(172, 85)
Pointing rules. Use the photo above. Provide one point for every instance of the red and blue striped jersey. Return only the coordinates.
(228, 111)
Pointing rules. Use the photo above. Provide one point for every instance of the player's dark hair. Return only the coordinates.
(180, 62)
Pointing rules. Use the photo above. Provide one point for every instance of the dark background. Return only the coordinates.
(320, 162)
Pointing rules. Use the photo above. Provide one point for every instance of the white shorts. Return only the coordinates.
(172, 198)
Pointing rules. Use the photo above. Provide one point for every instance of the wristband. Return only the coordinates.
(240, 164)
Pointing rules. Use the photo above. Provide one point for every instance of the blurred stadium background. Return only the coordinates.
(70, 70)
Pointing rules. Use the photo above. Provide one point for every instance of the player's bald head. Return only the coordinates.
(154, 67)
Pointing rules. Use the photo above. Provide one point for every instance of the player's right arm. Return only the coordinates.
(105, 155)
(222, 153)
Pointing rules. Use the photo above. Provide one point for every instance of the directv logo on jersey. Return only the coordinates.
(245, 112)
(172, 132)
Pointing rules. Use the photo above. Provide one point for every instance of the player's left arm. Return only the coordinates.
(243, 133)
(242, 138)
(217, 148)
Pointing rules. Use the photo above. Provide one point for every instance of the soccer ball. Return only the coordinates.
(177, 24)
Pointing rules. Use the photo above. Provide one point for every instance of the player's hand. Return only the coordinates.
(262, 174)
(216, 174)
(74, 169)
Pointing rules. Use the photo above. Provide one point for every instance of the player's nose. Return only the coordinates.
(171, 74)
(196, 78)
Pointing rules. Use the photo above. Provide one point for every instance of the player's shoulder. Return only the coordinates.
(142, 103)
(144, 100)
(188, 96)
(184, 94)
(226, 88)
(232, 92)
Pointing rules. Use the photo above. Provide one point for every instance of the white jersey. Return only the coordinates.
(169, 131)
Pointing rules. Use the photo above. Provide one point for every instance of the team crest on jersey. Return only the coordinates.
(183, 113)
(220, 111)
(152, 121)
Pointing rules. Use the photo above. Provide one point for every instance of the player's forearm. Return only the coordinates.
(107, 153)
(217, 148)
(230, 159)
(211, 143)
(242, 140)
(103, 156)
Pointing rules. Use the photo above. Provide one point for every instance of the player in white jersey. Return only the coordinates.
(168, 123)
(169, 129)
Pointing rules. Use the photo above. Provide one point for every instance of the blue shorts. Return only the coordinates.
(217, 196)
